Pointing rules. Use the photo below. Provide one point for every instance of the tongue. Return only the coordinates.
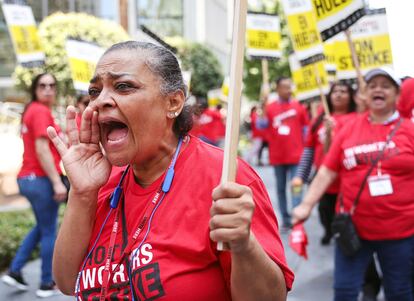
(117, 134)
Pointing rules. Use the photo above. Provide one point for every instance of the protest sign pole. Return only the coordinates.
(235, 89)
(355, 60)
(265, 89)
(321, 94)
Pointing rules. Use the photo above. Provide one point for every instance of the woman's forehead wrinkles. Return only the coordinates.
(110, 74)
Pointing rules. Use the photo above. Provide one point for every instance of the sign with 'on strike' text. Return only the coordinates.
(371, 42)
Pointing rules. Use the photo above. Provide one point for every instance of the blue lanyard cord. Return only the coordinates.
(166, 185)
(89, 254)
(115, 197)
(141, 243)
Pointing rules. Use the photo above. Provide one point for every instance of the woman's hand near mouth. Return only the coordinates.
(85, 164)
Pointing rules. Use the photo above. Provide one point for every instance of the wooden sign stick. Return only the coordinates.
(235, 88)
(321, 94)
(265, 89)
(355, 60)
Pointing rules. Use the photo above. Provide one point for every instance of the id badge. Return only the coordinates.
(380, 185)
(283, 130)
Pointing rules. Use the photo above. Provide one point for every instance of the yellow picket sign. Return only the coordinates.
(263, 36)
(334, 16)
(23, 33)
(304, 31)
(329, 51)
(305, 79)
(82, 70)
(327, 8)
(372, 52)
(225, 86)
(261, 39)
(25, 38)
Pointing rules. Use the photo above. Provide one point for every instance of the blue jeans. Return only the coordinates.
(282, 173)
(39, 192)
(396, 258)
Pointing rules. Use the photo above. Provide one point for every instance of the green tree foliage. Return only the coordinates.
(53, 32)
(252, 76)
(205, 68)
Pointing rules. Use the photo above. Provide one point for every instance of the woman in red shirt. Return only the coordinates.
(41, 183)
(140, 222)
(341, 104)
(384, 216)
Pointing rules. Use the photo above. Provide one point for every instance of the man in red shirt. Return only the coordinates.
(287, 122)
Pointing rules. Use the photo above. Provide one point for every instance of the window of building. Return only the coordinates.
(163, 17)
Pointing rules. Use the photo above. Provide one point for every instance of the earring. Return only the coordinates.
(176, 114)
(171, 115)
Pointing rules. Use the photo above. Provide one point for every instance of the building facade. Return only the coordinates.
(204, 21)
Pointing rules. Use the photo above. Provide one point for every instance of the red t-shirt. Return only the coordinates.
(405, 103)
(36, 119)
(178, 261)
(316, 140)
(285, 132)
(211, 125)
(356, 145)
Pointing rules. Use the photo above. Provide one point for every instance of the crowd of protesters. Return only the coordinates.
(357, 156)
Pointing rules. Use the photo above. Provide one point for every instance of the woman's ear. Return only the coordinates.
(176, 102)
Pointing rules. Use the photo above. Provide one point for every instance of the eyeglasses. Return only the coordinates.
(44, 86)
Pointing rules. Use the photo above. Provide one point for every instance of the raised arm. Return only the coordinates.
(87, 170)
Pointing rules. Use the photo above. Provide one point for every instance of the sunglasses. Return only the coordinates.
(44, 86)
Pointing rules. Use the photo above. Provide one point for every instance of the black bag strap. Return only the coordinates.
(373, 164)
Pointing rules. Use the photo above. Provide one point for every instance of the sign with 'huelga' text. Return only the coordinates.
(263, 36)
(303, 31)
(23, 32)
(334, 16)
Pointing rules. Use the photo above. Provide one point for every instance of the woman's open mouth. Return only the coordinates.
(378, 99)
(113, 133)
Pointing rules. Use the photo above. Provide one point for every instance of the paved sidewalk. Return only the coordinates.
(31, 273)
(13, 202)
(313, 280)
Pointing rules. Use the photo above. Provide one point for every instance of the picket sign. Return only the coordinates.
(233, 111)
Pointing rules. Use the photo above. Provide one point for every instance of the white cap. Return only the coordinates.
(385, 72)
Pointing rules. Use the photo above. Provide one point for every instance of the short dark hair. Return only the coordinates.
(163, 63)
(35, 81)
(280, 79)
